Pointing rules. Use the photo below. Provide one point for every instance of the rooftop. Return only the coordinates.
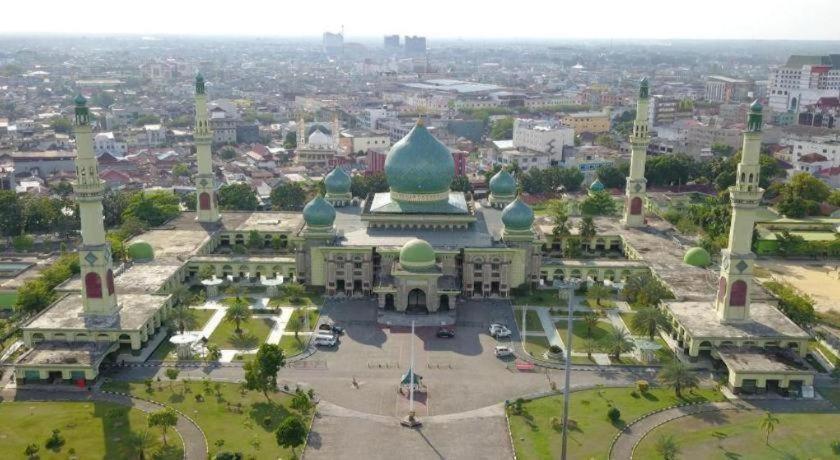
(754, 360)
(83, 354)
(68, 313)
(700, 320)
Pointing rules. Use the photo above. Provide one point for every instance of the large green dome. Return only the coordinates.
(319, 213)
(517, 215)
(417, 255)
(596, 186)
(503, 184)
(697, 257)
(140, 250)
(337, 182)
(421, 165)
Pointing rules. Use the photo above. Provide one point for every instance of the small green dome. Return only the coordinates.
(80, 100)
(503, 184)
(140, 250)
(337, 181)
(697, 257)
(419, 164)
(417, 254)
(517, 215)
(596, 186)
(756, 106)
(319, 213)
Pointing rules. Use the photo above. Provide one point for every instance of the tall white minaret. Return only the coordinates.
(634, 214)
(336, 129)
(301, 132)
(98, 293)
(736, 269)
(207, 209)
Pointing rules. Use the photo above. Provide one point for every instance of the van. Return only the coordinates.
(325, 340)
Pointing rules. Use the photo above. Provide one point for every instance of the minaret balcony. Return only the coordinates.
(746, 195)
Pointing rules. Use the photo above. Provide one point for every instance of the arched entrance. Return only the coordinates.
(389, 301)
(416, 302)
(444, 303)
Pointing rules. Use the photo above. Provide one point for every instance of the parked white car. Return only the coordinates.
(325, 340)
(499, 331)
(502, 351)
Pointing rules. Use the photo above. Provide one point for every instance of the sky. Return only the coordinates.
(467, 19)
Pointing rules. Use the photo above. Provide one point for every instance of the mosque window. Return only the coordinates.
(110, 282)
(738, 295)
(204, 201)
(93, 286)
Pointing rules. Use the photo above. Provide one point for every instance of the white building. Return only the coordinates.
(154, 135)
(815, 154)
(547, 137)
(106, 143)
(803, 80)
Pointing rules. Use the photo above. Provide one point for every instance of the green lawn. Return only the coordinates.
(298, 315)
(537, 297)
(201, 317)
(536, 346)
(166, 351)
(831, 394)
(291, 345)
(254, 332)
(8, 299)
(91, 430)
(605, 303)
(535, 438)
(628, 321)
(311, 299)
(245, 423)
(532, 320)
(579, 332)
(732, 434)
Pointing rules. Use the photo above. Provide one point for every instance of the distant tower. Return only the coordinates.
(207, 210)
(733, 298)
(336, 130)
(301, 132)
(98, 294)
(636, 183)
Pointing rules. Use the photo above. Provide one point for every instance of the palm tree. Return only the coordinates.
(560, 216)
(768, 424)
(138, 442)
(676, 375)
(667, 447)
(590, 320)
(179, 294)
(295, 292)
(649, 319)
(182, 318)
(597, 292)
(617, 341)
(587, 229)
(238, 312)
(589, 345)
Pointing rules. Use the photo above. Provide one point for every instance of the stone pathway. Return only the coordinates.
(633, 433)
(12, 348)
(280, 323)
(616, 320)
(554, 337)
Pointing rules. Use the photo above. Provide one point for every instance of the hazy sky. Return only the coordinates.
(742, 19)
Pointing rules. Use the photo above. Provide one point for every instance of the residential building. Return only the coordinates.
(415, 46)
(726, 89)
(587, 122)
(542, 136)
(803, 80)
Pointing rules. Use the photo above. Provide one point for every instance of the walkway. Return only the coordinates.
(623, 447)
(554, 337)
(195, 444)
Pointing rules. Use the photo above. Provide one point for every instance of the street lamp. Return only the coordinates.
(570, 285)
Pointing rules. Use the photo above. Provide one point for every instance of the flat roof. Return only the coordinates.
(700, 321)
(51, 353)
(755, 361)
(68, 313)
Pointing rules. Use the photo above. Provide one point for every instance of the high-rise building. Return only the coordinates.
(803, 80)
(392, 42)
(333, 43)
(415, 46)
(725, 89)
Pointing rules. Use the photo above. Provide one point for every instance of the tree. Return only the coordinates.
(227, 153)
(238, 312)
(667, 447)
(571, 249)
(649, 319)
(152, 208)
(644, 291)
(502, 129)
(461, 184)
(617, 341)
(834, 198)
(802, 195)
(722, 149)
(291, 432)
(590, 321)
(23, 243)
(213, 353)
(237, 197)
(587, 229)
(288, 196)
(362, 185)
(261, 372)
(206, 272)
(172, 375)
(255, 241)
(675, 374)
(138, 443)
(146, 120)
(301, 401)
(181, 170)
(290, 141)
(61, 125)
(666, 170)
(598, 292)
(62, 188)
(33, 296)
(182, 317)
(10, 209)
(598, 203)
(164, 419)
(611, 176)
(31, 451)
(295, 292)
(768, 424)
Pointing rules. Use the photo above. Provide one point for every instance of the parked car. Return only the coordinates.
(338, 330)
(445, 333)
(325, 340)
(499, 331)
(502, 351)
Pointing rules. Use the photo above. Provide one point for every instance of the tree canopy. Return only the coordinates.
(288, 196)
(598, 203)
(152, 208)
(802, 194)
(237, 197)
(261, 372)
(502, 129)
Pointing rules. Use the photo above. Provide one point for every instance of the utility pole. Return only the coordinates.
(568, 371)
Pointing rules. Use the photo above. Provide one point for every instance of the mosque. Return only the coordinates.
(418, 248)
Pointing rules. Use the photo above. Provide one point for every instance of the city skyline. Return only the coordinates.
(646, 19)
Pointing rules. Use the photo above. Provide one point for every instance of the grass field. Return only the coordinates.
(311, 299)
(731, 434)
(579, 332)
(243, 423)
(535, 438)
(291, 345)
(90, 430)
(536, 346)
(298, 315)
(537, 297)
(254, 332)
(831, 394)
(532, 320)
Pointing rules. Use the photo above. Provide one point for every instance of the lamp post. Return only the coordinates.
(570, 285)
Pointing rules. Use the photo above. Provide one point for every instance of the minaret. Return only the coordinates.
(301, 132)
(207, 209)
(733, 298)
(336, 128)
(636, 183)
(98, 296)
